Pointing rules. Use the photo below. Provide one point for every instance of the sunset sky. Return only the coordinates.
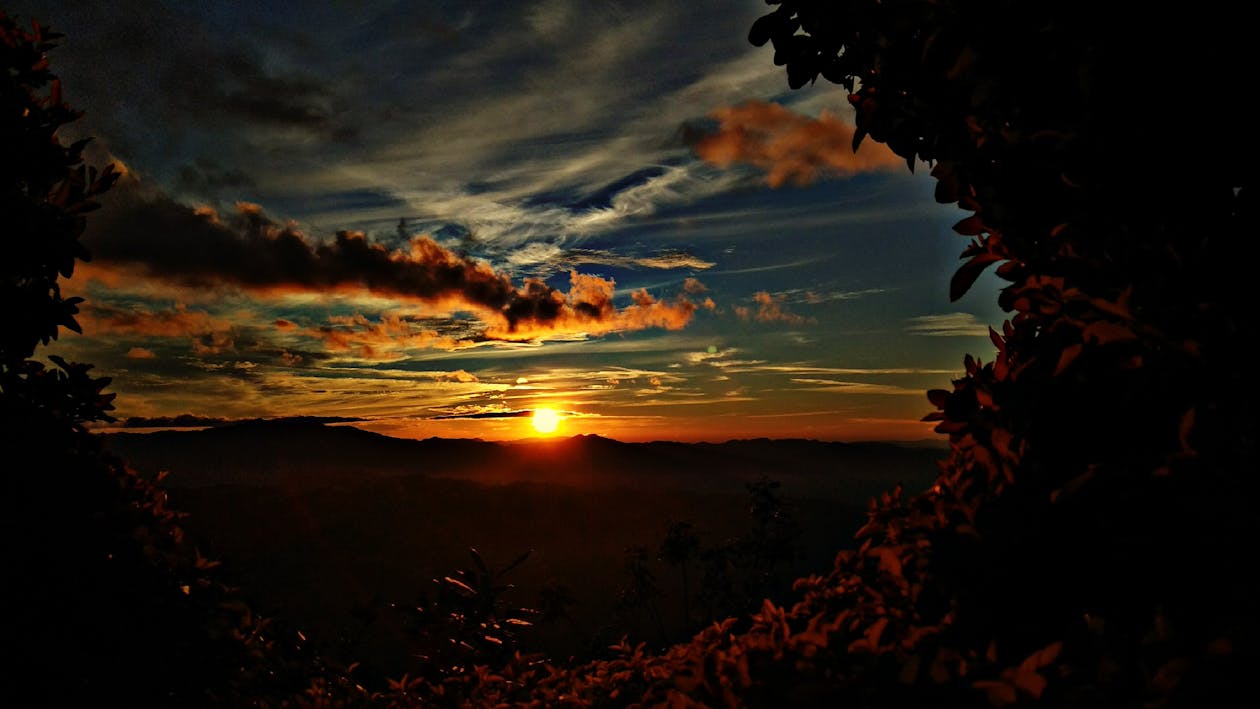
(435, 216)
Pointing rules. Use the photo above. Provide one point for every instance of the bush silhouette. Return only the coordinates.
(102, 597)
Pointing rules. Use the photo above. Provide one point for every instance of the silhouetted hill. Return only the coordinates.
(306, 454)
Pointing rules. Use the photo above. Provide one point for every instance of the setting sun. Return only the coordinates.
(546, 420)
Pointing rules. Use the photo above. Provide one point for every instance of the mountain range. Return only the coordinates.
(303, 455)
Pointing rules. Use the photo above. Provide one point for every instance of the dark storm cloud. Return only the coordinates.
(148, 72)
(195, 421)
(244, 88)
(197, 247)
(144, 229)
(206, 178)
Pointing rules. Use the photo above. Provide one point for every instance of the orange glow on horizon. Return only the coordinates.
(685, 429)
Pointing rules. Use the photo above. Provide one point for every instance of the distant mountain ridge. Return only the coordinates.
(304, 454)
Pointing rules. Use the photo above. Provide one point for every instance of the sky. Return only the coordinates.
(432, 218)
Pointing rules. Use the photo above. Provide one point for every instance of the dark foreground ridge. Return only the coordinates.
(306, 454)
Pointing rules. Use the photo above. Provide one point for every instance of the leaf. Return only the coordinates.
(889, 560)
(801, 72)
(999, 693)
(462, 587)
(877, 629)
(1104, 332)
(971, 226)
(1042, 657)
(938, 397)
(1067, 357)
(761, 30)
(1185, 429)
(996, 339)
(967, 274)
(476, 557)
(517, 562)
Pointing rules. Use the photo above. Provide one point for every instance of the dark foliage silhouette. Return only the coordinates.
(1081, 543)
(1109, 437)
(736, 573)
(102, 596)
(1086, 540)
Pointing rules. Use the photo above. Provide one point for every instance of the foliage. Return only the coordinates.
(739, 573)
(467, 620)
(102, 597)
(1079, 546)
(45, 191)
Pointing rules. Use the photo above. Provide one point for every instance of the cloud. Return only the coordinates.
(173, 322)
(140, 353)
(480, 412)
(948, 325)
(458, 375)
(207, 178)
(789, 147)
(770, 309)
(539, 310)
(816, 297)
(713, 353)
(841, 387)
(147, 232)
(553, 255)
(194, 421)
(384, 340)
(210, 335)
(846, 371)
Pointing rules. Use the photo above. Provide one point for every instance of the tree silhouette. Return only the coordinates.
(679, 549)
(103, 597)
(1111, 433)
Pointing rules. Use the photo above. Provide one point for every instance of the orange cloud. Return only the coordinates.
(140, 353)
(588, 308)
(770, 309)
(176, 322)
(789, 146)
(385, 340)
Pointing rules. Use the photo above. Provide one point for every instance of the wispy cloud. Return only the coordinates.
(843, 387)
(553, 256)
(947, 325)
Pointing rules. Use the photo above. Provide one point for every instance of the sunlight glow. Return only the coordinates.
(546, 420)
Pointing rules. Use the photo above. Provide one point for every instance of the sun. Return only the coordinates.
(546, 420)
